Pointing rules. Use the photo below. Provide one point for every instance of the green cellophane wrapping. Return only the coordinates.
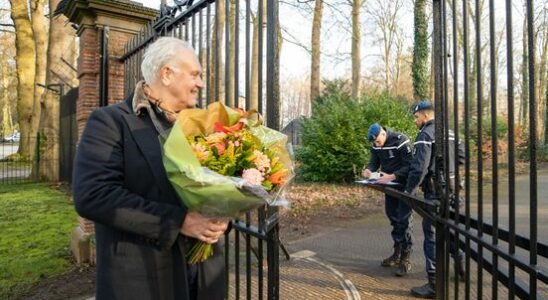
(203, 190)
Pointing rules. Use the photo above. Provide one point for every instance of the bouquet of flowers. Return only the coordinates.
(222, 162)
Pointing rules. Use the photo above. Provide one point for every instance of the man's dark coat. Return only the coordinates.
(120, 184)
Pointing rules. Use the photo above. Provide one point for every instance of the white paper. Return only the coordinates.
(374, 181)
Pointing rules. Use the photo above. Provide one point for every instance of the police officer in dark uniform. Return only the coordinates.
(421, 173)
(391, 152)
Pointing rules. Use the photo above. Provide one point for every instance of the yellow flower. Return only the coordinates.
(216, 138)
(200, 150)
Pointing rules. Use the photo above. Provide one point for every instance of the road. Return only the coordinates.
(522, 207)
(7, 149)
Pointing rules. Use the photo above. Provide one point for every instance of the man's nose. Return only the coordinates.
(200, 83)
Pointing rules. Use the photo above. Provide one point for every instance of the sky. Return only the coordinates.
(335, 58)
(293, 58)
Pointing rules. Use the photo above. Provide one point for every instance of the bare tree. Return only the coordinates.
(40, 32)
(385, 14)
(356, 47)
(61, 41)
(7, 53)
(258, 25)
(231, 54)
(26, 71)
(315, 75)
(216, 79)
(524, 83)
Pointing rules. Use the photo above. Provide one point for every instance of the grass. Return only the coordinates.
(35, 225)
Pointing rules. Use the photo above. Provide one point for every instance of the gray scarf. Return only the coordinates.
(142, 102)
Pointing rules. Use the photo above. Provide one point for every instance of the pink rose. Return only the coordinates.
(253, 176)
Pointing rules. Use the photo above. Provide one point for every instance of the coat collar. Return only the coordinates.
(146, 138)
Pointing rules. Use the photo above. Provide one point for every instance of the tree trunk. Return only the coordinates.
(356, 53)
(254, 77)
(541, 86)
(61, 37)
(40, 32)
(6, 73)
(216, 79)
(524, 108)
(232, 55)
(420, 52)
(7, 124)
(315, 74)
(26, 72)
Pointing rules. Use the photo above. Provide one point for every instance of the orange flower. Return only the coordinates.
(226, 129)
(278, 177)
(220, 148)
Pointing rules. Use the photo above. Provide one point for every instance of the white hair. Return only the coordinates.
(160, 53)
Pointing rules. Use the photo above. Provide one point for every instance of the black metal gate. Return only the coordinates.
(68, 134)
(225, 53)
(498, 226)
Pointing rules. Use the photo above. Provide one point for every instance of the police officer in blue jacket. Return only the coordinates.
(391, 153)
(421, 174)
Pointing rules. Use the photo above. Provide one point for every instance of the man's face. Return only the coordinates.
(381, 139)
(420, 119)
(183, 80)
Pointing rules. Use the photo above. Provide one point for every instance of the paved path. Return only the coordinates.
(355, 248)
(342, 261)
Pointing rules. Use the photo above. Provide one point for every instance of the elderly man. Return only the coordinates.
(142, 229)
(391, 153)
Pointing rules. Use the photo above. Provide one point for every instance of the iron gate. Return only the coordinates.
(221, 49)
(498, 225)
(68, 133)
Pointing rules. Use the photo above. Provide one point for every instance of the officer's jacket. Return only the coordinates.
(393, 157)
(423, 165)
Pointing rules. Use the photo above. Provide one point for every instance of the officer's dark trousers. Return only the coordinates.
(429, 246)
(401, 219)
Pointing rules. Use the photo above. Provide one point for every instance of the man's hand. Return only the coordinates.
(366, 173)
(385, 178)
(203, 228)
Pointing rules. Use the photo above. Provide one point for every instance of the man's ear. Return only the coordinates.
(166, 75)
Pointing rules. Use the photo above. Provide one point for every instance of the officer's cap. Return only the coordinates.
(373, 131)
(422, 106)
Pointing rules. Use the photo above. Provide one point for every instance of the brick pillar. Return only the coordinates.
(124, 18)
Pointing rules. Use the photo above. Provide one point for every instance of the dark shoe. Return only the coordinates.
(405, 263)
(426, 291)
(394, 259)
(459, 268)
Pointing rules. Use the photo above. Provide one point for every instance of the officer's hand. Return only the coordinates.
(385, 178)
(366, 173)
(203, 228)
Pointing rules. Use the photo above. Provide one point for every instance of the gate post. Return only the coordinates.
(123, 19)
(442, 231)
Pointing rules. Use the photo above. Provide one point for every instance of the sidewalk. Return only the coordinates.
(342, 261)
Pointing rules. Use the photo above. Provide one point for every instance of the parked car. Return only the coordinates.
(13, 138)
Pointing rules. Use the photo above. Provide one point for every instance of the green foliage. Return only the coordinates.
(541, 153)
(35, 222)
(334, 145)
(419, 68)
(501, 128)
(391, 112)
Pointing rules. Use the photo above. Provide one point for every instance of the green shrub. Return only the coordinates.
(391, 112)
(501, 130)
(334, 145)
